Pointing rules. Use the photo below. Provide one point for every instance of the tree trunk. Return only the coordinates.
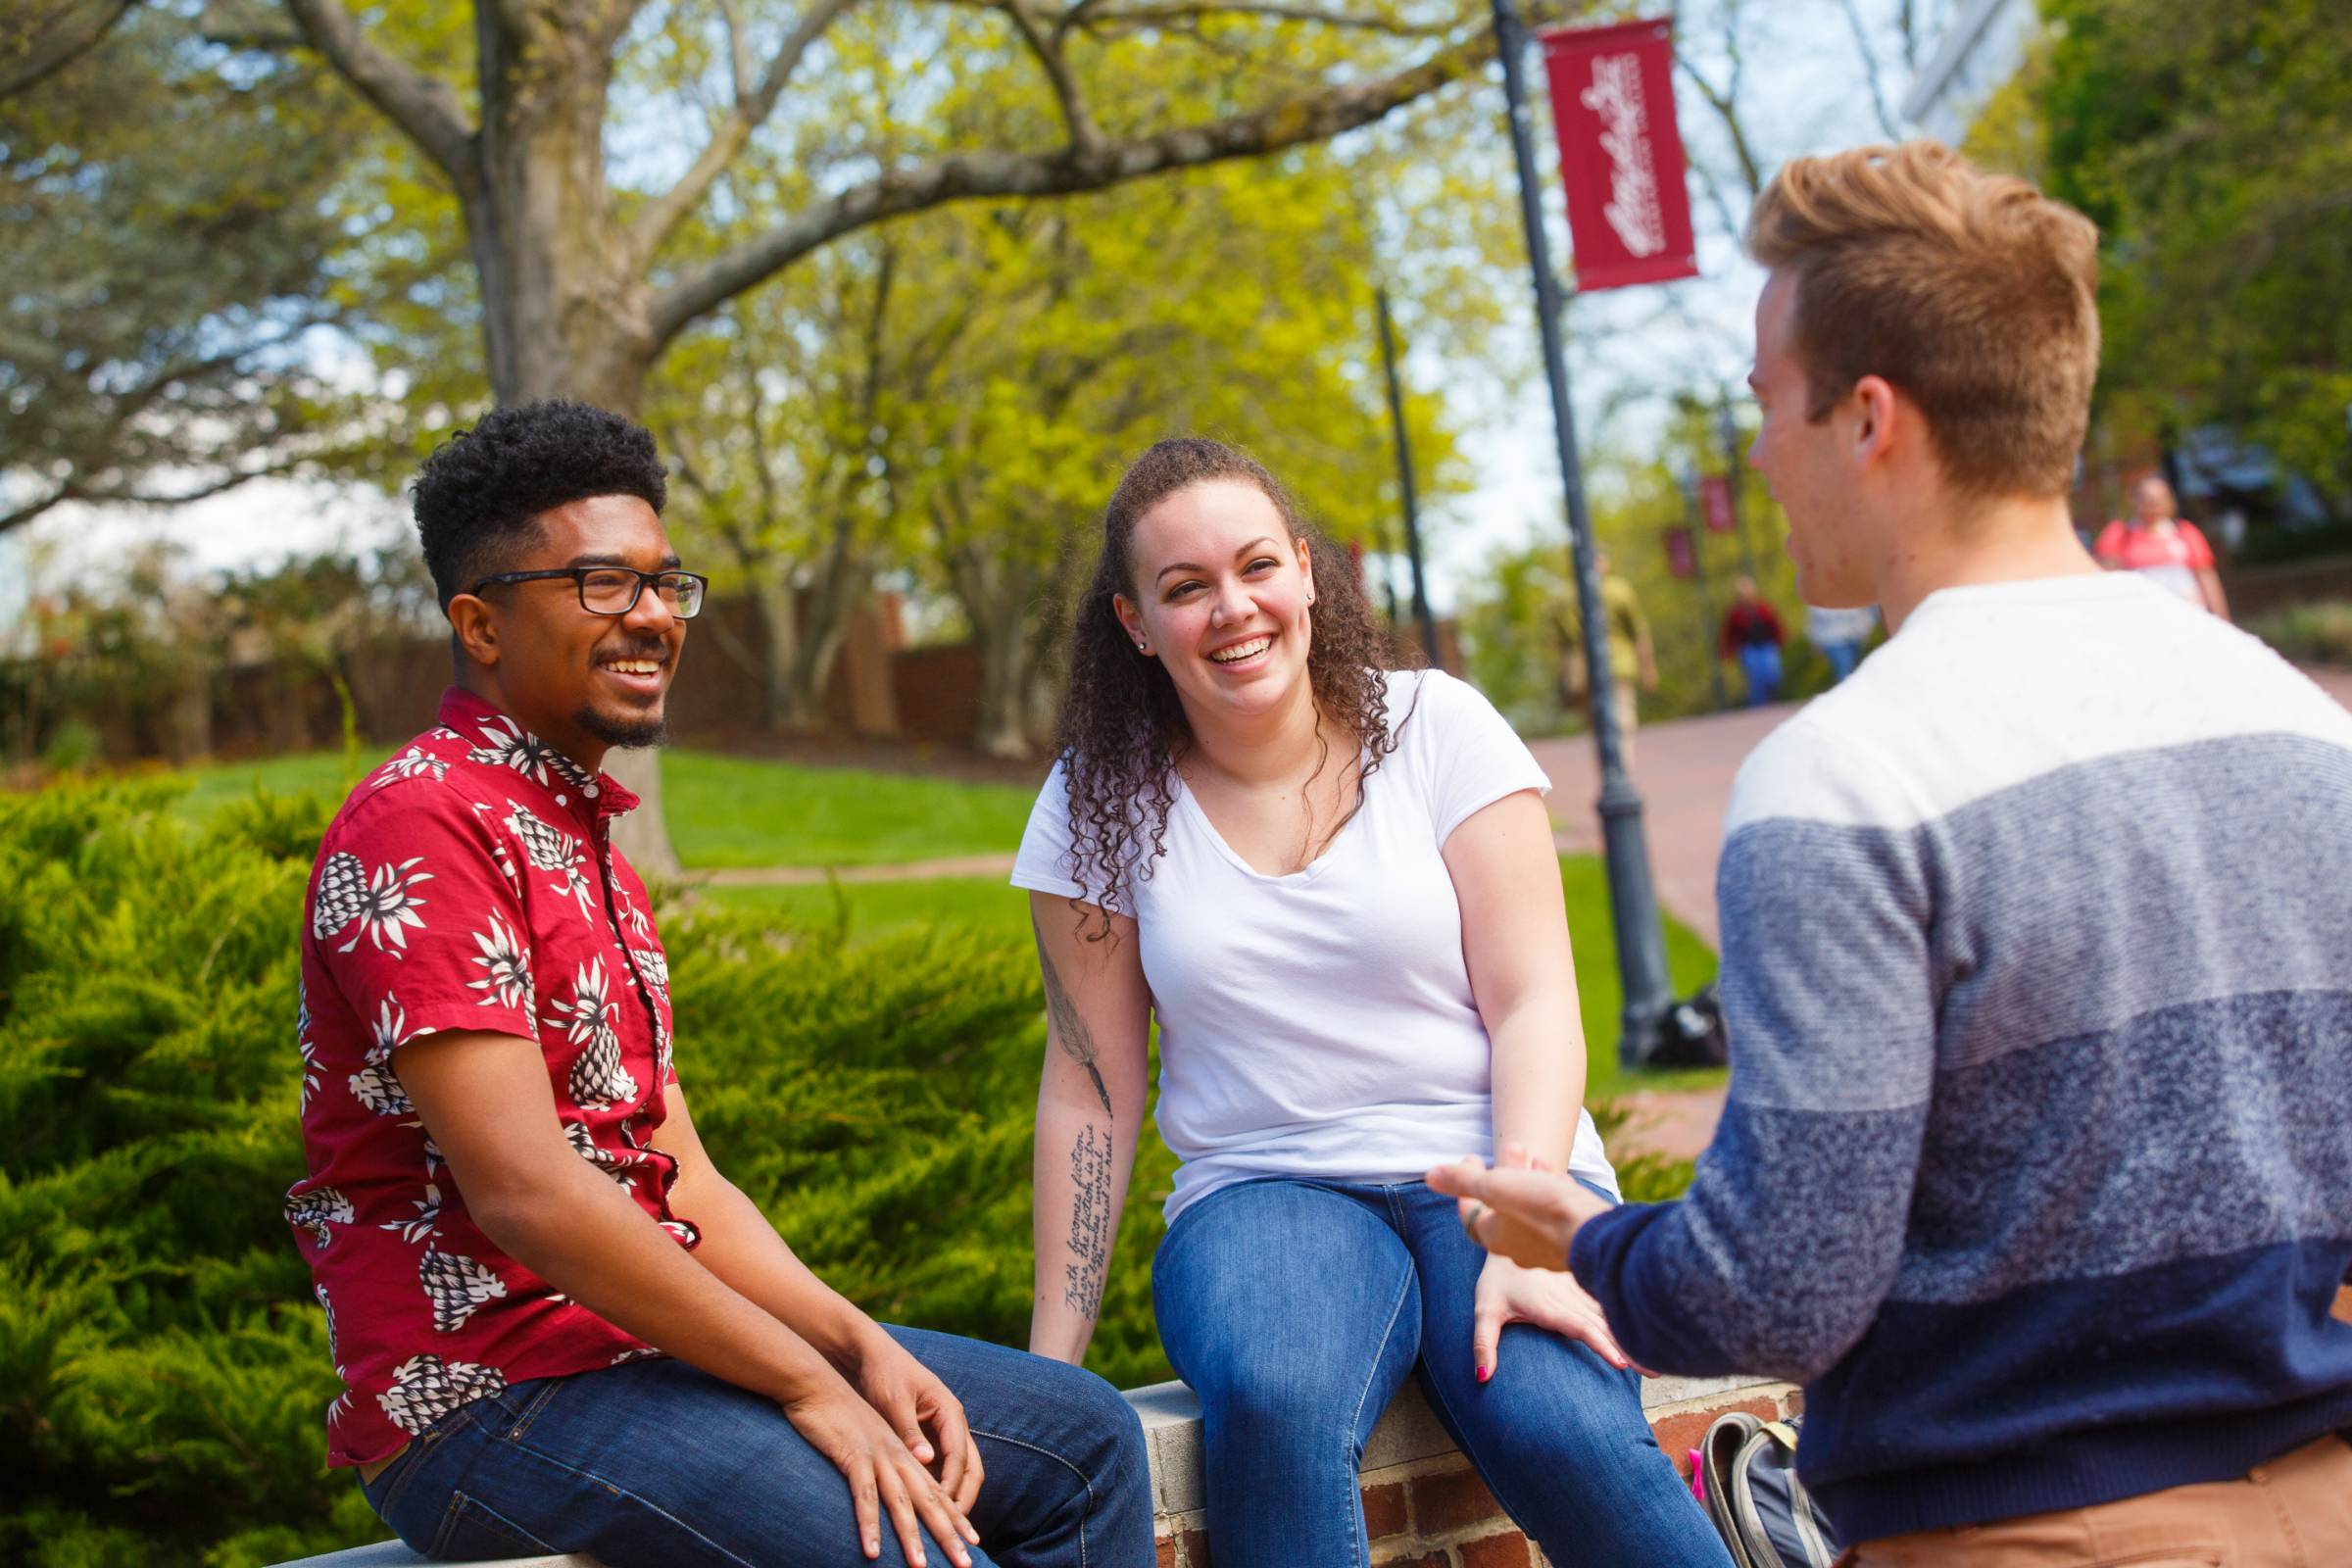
(779, 605)
(1000, 728)
(561, 314)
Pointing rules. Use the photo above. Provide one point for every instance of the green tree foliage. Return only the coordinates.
(166, 1365)
(162, 289)
(2213, 146)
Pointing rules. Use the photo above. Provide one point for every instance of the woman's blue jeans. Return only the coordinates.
(653, 1464)
(1296, 1309)
(1760, 663)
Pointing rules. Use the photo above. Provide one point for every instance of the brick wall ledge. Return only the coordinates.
(1423, 1504)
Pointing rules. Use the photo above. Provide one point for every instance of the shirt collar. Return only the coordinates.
(498, 741)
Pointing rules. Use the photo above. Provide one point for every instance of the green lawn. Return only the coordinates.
(877, 908)
(735, 810)
(219, 783)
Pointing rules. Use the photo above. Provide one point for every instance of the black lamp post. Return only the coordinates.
(1633, 899)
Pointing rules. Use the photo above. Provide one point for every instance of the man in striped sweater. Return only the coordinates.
(2036, 1168)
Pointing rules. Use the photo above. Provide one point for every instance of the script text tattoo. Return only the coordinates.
(1090, 1222)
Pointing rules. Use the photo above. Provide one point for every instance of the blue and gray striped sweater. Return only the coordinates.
(2036, 1168)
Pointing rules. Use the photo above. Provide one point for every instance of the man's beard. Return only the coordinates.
(627, 732)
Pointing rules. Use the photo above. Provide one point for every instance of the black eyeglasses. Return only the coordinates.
(613, 590)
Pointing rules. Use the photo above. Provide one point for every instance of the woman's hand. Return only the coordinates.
(919, 1407)
(1546, 1297)
(883, 1474)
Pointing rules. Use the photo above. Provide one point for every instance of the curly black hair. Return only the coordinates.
(1122, 729)
(479, 495)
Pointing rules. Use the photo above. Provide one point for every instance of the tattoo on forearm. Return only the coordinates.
(1077, 1041)
(1090, 1222)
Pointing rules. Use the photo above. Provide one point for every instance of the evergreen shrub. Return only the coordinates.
(164, 1372)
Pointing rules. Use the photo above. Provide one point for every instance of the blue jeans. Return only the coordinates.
(1843, 657)
(653, 1464)
(1296, 1309)
(1760, 663)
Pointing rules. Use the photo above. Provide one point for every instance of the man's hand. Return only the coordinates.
(1543, 1296)
(882, 1473)
(1528, 1216)
(927, 1417)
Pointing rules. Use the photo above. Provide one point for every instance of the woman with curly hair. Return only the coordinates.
(1333, 886)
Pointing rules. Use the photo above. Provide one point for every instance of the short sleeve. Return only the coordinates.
(416, 920)
(2197, 555)
(2110, 546)
(1043, 863)
(1467, 754)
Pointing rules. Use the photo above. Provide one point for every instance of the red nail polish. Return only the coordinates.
(1484, 1374)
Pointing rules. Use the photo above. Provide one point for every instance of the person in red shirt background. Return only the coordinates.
(2166, 549)
(1752, 637)
(559, 1326)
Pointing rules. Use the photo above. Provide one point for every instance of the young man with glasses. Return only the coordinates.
(559, 1327)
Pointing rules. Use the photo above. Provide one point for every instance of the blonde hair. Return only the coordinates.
(1972, 292)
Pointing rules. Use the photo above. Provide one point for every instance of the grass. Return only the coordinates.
(739, 811)
(877, 909)
(733, 811)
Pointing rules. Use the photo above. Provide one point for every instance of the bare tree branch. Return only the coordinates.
(109, 495)
(1870, 71)
(1083, 136)
(424, 107)
(739, 50)
(1727, 110)
(1171, 15)
(33, 48)
(665, 212)
(960, 176)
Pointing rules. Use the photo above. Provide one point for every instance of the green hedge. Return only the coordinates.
(164, 1371)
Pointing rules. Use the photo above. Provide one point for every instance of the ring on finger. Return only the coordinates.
(1470, 1218)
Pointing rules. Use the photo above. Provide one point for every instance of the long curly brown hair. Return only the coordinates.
(1122, 730)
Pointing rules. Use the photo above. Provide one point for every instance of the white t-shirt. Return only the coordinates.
(1321, 1024)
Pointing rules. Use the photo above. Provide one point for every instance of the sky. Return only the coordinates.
(1805, 91)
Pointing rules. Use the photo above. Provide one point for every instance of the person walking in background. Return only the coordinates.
(1333, 886)
(2163, 547)
(1633, 661)
(2036, 1168)
(1839, 635)
(1752, 638)
(559, 1327)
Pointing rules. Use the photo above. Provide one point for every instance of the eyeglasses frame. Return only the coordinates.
(579, 581)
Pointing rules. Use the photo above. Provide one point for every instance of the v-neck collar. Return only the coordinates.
(1305, 874)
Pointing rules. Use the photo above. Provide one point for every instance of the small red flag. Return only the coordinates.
(1621, 154)
(1715, 500)
(1681, 559)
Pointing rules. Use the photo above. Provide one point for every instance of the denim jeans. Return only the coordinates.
(1296, 1309)
(1760, 663)
(653, 1464)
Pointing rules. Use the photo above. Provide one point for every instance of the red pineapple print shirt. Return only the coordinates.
(467, 884)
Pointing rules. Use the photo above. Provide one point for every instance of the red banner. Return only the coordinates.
(1715, 503)
(1681, 559)
(1621, 154)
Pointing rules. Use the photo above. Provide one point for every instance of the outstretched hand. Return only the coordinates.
(1514, 1210)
